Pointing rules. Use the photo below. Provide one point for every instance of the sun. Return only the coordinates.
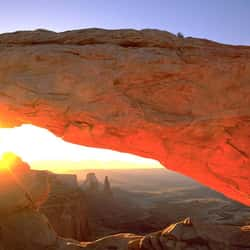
(36, 145)
(7, 161)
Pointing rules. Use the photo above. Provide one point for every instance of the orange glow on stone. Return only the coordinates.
(7, 161)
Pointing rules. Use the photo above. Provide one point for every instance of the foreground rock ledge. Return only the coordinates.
(22, 191)
(184, 102)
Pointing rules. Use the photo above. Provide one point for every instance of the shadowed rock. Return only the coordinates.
(107, 188)
(184, 102)
(23, 227)
(91, 184)
(66, 208)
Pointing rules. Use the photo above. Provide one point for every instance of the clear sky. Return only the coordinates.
(226, 21)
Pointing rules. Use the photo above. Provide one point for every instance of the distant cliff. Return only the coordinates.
(69, 180)
(66, 208)
(182, 101)
(92, 186)
(24, 228)
(107, 191)
(91, 183)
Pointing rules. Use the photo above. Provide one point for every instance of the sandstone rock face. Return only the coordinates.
(23, 227)
(22, 189)
(21, 193)
(186, 235)
(107, 191)
(184, 102)
(91, 184)
(66, 208)
(69, 180)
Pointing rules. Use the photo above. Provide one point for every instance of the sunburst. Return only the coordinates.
(7, 161)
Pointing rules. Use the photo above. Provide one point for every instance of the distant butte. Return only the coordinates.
(23, 191)
(182, 101)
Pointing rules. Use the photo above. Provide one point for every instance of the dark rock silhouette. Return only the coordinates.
(107, 188)
(91, 183)
(184, 102)
(66, 208)
(23, 227)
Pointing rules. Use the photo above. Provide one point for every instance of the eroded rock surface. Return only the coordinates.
(91, 183)
(187, 235)
(66, 208)
(23, 227)
(184, 102)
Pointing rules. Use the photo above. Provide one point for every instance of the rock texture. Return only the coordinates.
(23, 227)
(187, 235)
(182, 101)
(66, 208)
(91, 184)
(107, 191)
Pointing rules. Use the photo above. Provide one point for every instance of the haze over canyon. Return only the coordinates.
(182, 101)
(94, 210)
(179, 100)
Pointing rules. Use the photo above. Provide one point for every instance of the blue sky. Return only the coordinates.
(226, 21)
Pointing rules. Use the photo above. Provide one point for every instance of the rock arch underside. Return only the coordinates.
(182, 101)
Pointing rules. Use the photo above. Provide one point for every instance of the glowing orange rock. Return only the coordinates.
(184, 102)
(20, 186)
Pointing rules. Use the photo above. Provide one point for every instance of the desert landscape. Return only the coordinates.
(51, 206)
(125, 125)
(146, 200)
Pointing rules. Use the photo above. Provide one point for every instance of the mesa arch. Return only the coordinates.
(184, 102)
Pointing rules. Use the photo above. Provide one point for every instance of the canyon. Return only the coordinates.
(66, 208)
(23, 191)
(182, 101)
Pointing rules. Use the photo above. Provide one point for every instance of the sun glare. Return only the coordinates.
(7, 160)
(38, 146)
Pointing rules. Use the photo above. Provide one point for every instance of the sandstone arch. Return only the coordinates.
(184, 102)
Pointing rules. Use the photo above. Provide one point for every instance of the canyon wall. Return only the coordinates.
(182, 101)
(22, 191)
(66, 208)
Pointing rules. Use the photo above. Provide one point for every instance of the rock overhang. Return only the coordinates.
(184, 102)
